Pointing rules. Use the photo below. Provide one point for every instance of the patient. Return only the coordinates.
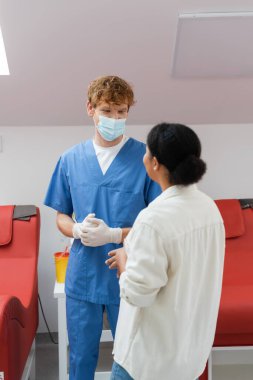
(170, 268)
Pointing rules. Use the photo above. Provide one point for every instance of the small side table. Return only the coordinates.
(59, 293)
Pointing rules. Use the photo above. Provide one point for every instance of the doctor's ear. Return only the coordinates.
(90, 109)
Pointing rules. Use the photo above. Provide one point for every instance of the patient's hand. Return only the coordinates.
(118, 259)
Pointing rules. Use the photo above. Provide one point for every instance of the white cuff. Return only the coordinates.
(132, 293)
(116, 235)
(75, 231)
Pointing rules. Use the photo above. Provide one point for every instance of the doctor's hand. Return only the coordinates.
(97, 233)
(77, 229)
(118, 259)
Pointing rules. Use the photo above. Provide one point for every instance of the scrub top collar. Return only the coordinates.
(93, 163)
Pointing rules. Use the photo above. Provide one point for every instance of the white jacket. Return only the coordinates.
(171, 288)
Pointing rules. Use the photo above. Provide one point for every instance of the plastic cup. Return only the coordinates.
(61, 263)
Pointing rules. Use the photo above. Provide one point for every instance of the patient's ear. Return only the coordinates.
(156, 164)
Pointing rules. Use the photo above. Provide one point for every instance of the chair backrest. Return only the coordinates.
(19, 231)
(238, 221)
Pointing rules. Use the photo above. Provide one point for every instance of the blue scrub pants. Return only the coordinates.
(85, 324)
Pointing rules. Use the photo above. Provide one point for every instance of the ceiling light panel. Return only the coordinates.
(213, 45)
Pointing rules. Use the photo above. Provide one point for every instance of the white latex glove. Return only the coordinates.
(97, 233)
(77, 228)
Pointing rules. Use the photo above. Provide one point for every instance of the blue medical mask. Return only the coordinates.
(110, 128)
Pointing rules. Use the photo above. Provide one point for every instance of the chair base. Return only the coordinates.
(29, 372)
(227, 355)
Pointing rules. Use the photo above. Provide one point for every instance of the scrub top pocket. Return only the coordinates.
(125, 207)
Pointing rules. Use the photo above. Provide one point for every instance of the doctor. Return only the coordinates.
(104, 176)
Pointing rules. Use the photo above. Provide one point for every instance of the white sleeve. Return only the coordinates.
(146, 269)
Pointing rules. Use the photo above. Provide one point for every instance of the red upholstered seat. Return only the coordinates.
(19, 242)
(235, 319)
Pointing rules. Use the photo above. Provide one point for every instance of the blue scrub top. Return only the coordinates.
(78, 185)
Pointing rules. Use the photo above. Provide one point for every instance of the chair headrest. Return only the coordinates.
(231, 213)
(246, 203)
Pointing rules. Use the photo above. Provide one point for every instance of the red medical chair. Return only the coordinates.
(19, 247)
(235, 320)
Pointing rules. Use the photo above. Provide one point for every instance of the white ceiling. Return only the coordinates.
(56, 47)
